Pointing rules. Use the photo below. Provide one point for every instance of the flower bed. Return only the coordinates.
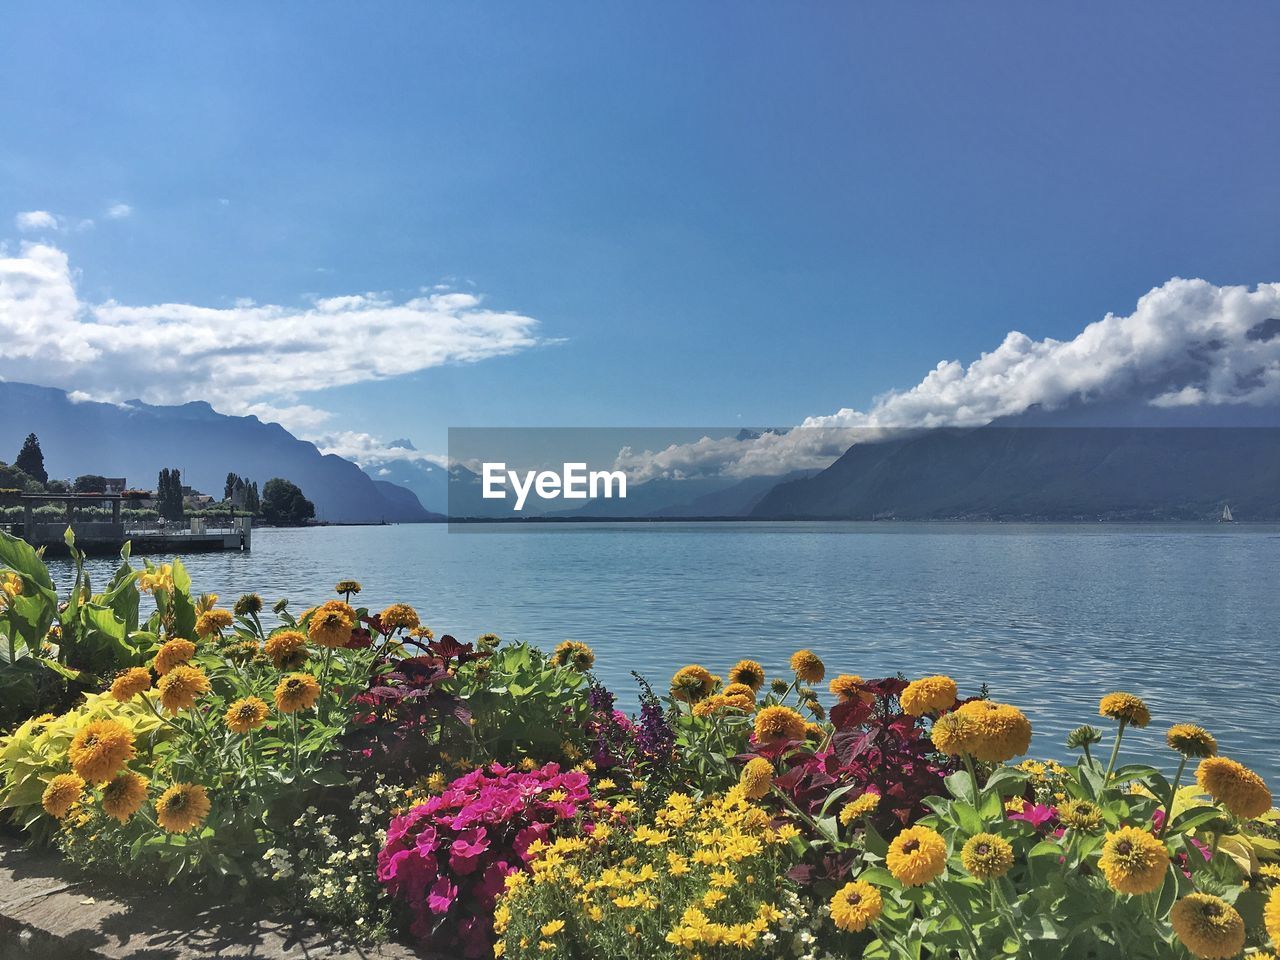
(488, 799)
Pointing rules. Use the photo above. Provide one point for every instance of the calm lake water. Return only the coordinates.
(1049, 616)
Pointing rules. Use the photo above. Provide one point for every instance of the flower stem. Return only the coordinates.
(1173, 793)
(1115, 752)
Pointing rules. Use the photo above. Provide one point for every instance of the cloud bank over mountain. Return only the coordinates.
(246, 359)
(1188, 343)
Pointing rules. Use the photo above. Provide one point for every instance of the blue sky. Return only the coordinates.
(716, 213)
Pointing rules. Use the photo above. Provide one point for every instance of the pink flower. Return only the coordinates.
(442, 895)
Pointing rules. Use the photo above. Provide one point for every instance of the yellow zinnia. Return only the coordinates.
(849, 685)
(61, 794)
(990, 731)
(100, 749)
(1125, 708)
(1133, 861)
(928, 695)
(779, 723)
(246, 714)
(212, 622)
(129, 683)
(287, 649)
(172, 654)
(1235, 786)
(857, 809)
(1080, 815)
(1208, 926)
(398, 616)
(856, 905)
(738, 689)
(916, 856)
(1271, 916)
(756, 778)
(691, 683)
(987, 856)
(807, 666)
(331, 624)
(748, 673)
(297, 691)
(124, 795)
(575, 655)
(180, 687)
(1192, 741)
(182, 807)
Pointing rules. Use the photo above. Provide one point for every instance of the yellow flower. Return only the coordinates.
(182, 807)
(287, 649)
(552, 927)
(1208, 926)
(987, 856)
(722, 701)
(740, 691)
(1191, 741)
(61, 794)
(124, 795)
(100, 749)
(1080, 815)
(953, 733)
(172, 654)
(1125, 708)
(855, 905)
(916, 856)
(779, 723)
(1235, 786)
(347, 586)
(856, 809)
(1271, 916)
(331, 624)
(990, 731)
(10, 587)
(928, 695)
(246, 714)
(129, 683)
(212, 622)
(575, 655)
(180, 687)
(748, 673)
(756, 778)
(249, 604)
(1133, 861)
(398, 616)
(691, 683)
(847, 686)
(297, 691)
(807, 666)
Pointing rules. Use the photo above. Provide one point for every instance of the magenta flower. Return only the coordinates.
(447, 858)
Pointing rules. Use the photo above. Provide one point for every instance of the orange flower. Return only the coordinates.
(180, 687)
(100, 749)
(297, 691)
(174, 653)
(129, 683)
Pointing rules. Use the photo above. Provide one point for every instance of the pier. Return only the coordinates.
(95, 535)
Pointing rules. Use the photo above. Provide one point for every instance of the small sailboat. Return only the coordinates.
(1226, 514)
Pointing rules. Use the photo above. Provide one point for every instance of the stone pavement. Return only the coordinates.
(48, 912)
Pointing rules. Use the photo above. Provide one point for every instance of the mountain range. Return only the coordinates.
(1145, 463)
(135, 440)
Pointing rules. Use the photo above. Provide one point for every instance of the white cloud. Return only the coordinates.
(243, 359)
(1187, 343)
(32, 220)
(118, 211)
(367, 450)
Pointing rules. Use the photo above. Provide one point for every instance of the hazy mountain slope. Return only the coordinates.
(136, 440)
(1045, 473)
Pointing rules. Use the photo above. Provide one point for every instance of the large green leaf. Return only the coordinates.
(22, 557)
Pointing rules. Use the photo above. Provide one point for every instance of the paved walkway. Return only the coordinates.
(48, 913)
